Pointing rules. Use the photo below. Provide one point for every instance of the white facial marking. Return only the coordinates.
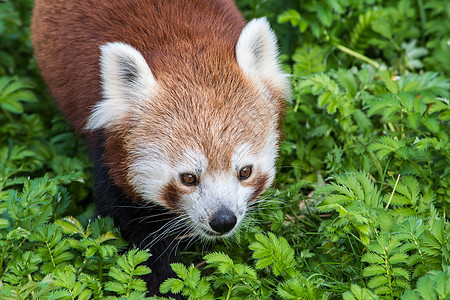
(149, 172)
(214, 192)
(193, 161)
(264, 160)
(224, 190)
(269, 154)
(242, 157)
(126, 81)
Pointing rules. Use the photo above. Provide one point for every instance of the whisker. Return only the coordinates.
(174, 227)
(147, 221)
(168, 247)
(191, 240)
(138, 206)
(179, 238)
(165, 228)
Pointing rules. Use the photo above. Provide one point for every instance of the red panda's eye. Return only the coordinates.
(188, 179)
(245, 172)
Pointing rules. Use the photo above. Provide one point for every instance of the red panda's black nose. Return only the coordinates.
(223, 221)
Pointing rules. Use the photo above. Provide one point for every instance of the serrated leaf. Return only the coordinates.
(180, 270)
(177, 286)
(372, 258)
(374, 270)
(218, 257)
(391, 85)
(414, 120)
(401, 272)
(425, 288)
(378, 281)
(106, 237)
(138, 285)
(3, 223)
(115, 287)
(431, 123)
(70, 225)
(141, 270)
(84, 295)
(263, 262)
(166, 286)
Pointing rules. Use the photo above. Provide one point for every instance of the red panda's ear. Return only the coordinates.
(257, 55)
(126, 80)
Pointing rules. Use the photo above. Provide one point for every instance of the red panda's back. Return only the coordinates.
(66, 36)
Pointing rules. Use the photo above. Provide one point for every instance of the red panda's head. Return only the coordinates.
(201, 137)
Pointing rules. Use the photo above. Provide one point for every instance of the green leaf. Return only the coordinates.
(11, 105)
(431, 123)
(290, 15)
(171, 284)
(180, 270)
(3, 223)
(378, 281)
(382, 27)
(347, 80)
(358, 293)
(391, 85)
(70, 225)
(372, 258)
(23, 95)
(374, 270)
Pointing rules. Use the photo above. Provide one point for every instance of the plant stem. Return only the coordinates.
(358, 55)
(230, 287)
(229, 292)
(388, 273)
(3, 257)
(393, 191)
(51, 254)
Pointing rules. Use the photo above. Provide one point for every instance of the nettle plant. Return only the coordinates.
(62, 259)
(361, 201)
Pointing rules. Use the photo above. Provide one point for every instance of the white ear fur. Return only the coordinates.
(257, 55)
(126, 81)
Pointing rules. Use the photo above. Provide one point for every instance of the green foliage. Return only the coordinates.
(127, 268)
(358, 293)
(433, 286)
(61, 259)
(273, 251)
(362, 197)
(386, 271)
(39, 255)
(12, 92)
(190, 282)
(233, 280)
(355, 198)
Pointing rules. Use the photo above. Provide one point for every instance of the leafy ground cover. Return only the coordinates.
(361, 201)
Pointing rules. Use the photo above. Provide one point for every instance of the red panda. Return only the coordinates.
(180, 103)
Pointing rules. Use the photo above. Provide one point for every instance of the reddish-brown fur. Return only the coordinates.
(203, 101)
(195, 61)
(67, 35)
